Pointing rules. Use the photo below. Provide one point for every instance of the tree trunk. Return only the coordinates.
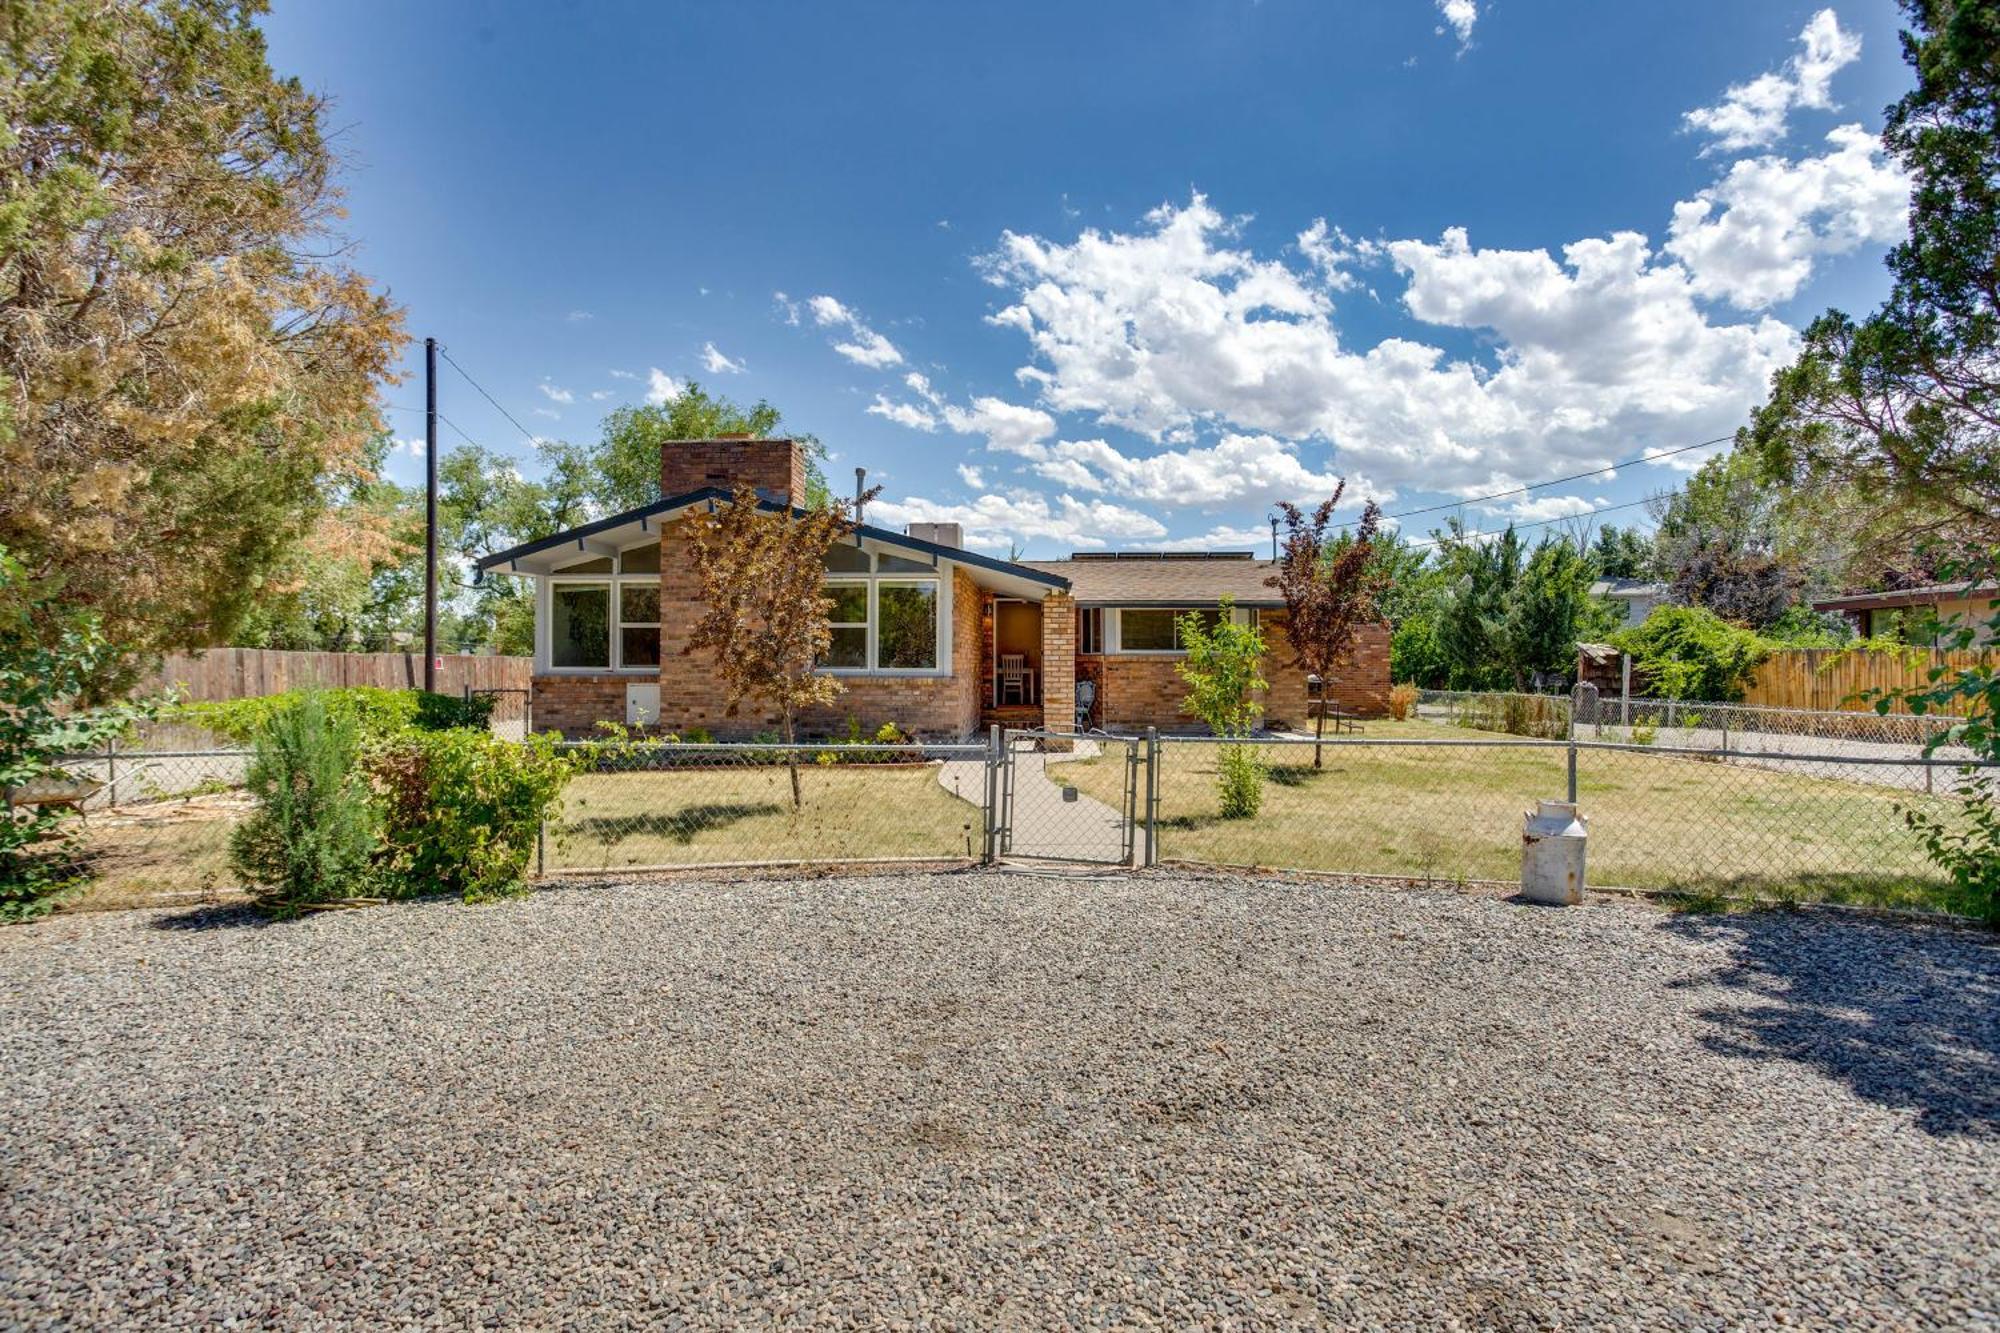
(1319, 723)
(792, 757)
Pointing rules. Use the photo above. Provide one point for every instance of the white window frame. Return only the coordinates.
(873, 580)
(1114, 627)
(616, 624)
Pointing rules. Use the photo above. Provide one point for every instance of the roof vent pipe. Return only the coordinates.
(860, 489)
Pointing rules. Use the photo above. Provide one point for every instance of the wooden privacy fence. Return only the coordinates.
(1830, 679)
(243, 673)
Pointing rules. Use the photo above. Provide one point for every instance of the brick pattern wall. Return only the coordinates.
(1059, 662)
(574, 705)
(770, 465)
(1135, 692)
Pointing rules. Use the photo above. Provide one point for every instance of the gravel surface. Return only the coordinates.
(980, 1099)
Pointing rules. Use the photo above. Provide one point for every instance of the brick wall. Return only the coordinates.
(1059, 662)
(770, 465)
(1135, 692)
(574, 705)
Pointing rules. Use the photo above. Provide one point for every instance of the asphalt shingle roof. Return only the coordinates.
(1165, 578)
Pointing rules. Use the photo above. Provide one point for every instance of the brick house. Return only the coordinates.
(940, 640)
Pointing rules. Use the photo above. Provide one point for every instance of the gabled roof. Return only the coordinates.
(605, 535)
(1165, 578)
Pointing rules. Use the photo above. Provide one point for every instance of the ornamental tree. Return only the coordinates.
(1330, 590)
(764, 617)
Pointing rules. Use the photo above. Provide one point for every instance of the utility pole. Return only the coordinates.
(430, 514)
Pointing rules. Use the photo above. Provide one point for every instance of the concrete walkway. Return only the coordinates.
(1046, 825)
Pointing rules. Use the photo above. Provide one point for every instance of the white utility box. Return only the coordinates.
(1552, 848)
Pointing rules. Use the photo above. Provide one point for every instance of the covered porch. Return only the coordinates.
(1027, 662)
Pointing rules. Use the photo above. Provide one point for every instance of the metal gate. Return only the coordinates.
(1062, 797)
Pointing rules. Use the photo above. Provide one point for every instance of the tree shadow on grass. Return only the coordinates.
(1294, 775)
(680, 826)
(1905, 1016)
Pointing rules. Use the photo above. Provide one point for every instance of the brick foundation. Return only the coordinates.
(574, 705)
(1135, 692)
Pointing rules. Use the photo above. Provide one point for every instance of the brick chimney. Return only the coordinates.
(775, 467)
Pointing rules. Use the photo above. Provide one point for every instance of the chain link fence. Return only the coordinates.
(1414, 801)
(1684, 724)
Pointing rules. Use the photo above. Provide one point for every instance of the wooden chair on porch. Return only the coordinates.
(1017, 681)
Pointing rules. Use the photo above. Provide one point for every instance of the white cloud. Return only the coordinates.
(1751, 238)
(903, 414)
(1241, 468)
(555, 393)
(1459, 15)
(579, 316)
(992, 521)
(1222, 538)
(414, 448)
(1543, 508)
(864, 346)
(1331, 251)
(788, 309)
(972, 476)
(715, 363)
(1176, 328)
(622, 375)
(661, 387)
(599, 395)
(1752, 115)
(1008, 427)
(548, 412)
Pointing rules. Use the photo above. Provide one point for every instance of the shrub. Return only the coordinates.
(1688, 652)
(376, 712)
(1403, 701)
(312, 834)
(1545, 716)
(1240, 781)
(462, 809)
(49, 653)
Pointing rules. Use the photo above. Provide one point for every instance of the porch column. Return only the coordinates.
(1058, 664)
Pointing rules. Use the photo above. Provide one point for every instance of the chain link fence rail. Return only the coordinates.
(1746, 822)
(672, 805)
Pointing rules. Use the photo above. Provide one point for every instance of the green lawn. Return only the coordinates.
(706, 815)
(1656, 821)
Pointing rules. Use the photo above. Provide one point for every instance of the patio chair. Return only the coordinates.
(1014, 678)
(1086, 698)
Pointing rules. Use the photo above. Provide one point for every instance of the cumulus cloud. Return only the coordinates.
(1459, 16)
(715, 363)
(555, 393)
(1752, 237)
(1753, 114)
(1545, 508)
(972, 476)
(992, 522)
(863, 345)
(903, 414)
(661, 387)
(1222, 538)
(1176, 328)
(1242, 468)
(599, 395)
(1009, 428)
(622, 375)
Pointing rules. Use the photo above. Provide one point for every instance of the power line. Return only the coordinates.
(1555, 481)
(525, 432)
(1538, 523)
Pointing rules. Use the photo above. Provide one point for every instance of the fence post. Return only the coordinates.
(1572, 768)
(541, 847)
(992, 802)
(111, 771)
(1152, 795)
(1624, 689)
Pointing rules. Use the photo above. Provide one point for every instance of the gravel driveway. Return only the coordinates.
(998, 1099)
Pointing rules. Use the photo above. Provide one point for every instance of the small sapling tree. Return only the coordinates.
(1221, 674)
(765, 610)
(1330, 589)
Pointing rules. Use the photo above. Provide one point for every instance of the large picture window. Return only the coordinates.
(882, 619)
(1157, 629)
(610, 623)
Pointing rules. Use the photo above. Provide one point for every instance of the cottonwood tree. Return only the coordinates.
(187, 356)
(764, 617)
(1330, 590)
(1903, 407)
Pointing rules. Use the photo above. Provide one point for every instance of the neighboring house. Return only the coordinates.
(1636, 595)
(924, 631)
(1897, 614)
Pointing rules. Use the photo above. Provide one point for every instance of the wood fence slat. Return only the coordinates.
(242, 673)
(1833, 680)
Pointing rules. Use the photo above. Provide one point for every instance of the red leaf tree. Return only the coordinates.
(1330, 589)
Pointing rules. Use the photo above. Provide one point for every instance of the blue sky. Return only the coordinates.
(1121, 275)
